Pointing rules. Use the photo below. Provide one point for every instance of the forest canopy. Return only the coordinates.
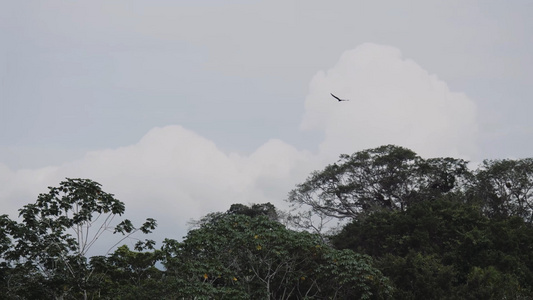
(413, 228)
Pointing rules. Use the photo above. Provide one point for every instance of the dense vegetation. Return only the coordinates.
(413, 228)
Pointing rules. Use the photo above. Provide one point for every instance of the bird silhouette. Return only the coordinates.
(339, 99)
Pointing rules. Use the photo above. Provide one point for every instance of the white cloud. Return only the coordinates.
(173, 174)
(20, 187)
(393, 101)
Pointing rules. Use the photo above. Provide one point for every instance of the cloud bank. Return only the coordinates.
(173, 174)
(393, 101)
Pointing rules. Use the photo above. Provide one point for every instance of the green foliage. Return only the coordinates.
(47, 251)
(505, 188)
(127, 274)
(384, 178)
(242, 257)
(437, 229)
(439, 249)
(265, 209)
(491, 283)
(418, 229)
(419, 276)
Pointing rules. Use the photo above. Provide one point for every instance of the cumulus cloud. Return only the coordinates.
(173, 174)
(393, 101)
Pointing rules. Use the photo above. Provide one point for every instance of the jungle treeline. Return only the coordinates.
(381, 223)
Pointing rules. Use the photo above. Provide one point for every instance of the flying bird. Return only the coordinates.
(339, 99)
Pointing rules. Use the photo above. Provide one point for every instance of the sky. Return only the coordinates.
(181, 108)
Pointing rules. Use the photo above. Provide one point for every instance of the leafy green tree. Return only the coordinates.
(419, 276)
(491, 283)
(254, 210)
(385, 178)
(127, 274)
(505, 188)
(49, 246)
(237, 256)
(446, 249)
(265, 209)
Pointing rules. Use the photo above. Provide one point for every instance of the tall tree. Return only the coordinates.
(237, 256)
(446, 250)
(505, 188)
(127, 274)
(51, 243)
(385, 178)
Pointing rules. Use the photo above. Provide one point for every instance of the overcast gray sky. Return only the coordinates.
(184, 107)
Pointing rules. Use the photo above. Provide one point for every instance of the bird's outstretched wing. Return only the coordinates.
(339, 99)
